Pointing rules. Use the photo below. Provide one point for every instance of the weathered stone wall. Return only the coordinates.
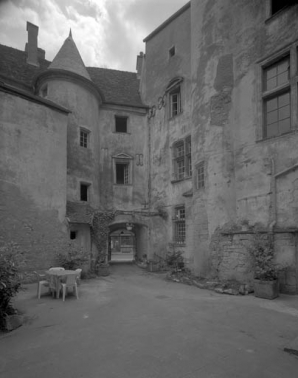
(82, 163)
(242, 170)
(166, 193)
(33, 179)
(133, 144)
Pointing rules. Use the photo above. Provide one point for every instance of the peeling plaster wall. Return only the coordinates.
(82, 163)
(227, 119)
(164, 131)
(132, 143)
(33, 179)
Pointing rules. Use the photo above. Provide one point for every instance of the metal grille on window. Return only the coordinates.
(179, 224)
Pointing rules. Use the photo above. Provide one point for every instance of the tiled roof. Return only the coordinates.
(79, 212)
(118, 87)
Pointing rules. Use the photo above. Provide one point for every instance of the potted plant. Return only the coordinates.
(10, 283)
(265, 271)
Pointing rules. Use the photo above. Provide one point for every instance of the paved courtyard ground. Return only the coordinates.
(134, 324)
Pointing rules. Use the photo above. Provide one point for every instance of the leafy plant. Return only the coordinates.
(174, 259)
(75, 257)
(262, 251)
(10, 262)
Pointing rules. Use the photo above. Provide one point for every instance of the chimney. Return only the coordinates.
(140, 59)
(31, 46)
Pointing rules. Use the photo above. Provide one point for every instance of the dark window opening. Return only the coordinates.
(84, 192)
(277, 5)
(121, 124)
(122, 173)
(73, 235)
(179, 225)
(172, 51)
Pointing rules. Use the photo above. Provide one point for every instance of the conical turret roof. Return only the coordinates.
(69, 59)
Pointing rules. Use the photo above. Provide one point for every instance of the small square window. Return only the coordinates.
(122, 173)
(120, 124)
(84, 138)
(172, 51)
(73, 235)
(84, 192)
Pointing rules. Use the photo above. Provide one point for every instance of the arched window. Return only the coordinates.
(174, 93)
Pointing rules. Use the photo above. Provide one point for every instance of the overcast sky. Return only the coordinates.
(108, 33)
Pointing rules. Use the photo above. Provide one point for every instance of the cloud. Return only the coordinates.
(108, 33)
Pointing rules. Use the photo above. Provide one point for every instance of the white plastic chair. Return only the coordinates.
(71, 281)
(41, 282)
(78, 272)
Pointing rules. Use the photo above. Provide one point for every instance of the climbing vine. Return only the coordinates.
(100, 234)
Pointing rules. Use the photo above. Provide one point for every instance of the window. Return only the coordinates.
(84, 188)
(174, 93)
(277, 98)
(277, 5)
(122, 169)
(120, 124)
(175, 102)
(84, 136)
(179, 225)
(182, 159)
(73, 235)
(122, 173)
(172, 51)
(200, 168)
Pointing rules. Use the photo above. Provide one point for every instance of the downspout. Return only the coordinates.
(273, 191)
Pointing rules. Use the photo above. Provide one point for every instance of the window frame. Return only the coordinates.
(87, 185)
(265, 95)
(87, 139)
(179, 225)
(117, 116)
(174, 90)
(182, 160)
(200, 175)
(123, 159)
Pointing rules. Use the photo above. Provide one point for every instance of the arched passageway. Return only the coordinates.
(127, 241)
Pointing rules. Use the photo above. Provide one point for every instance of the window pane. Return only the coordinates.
(272, 130)
(180, 150)
(271, 84)
(285, 126)
(271, 105)
(271, 72)
(283, 66)
(272, 117)
(282, 78)
(284, 99)
(284, 112)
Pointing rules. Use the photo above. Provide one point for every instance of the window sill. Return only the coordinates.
(179, 180)
(175, 116)
(122, 133)
(179, 244)
(285, 135)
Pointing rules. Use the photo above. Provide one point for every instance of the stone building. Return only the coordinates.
(196, 144)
